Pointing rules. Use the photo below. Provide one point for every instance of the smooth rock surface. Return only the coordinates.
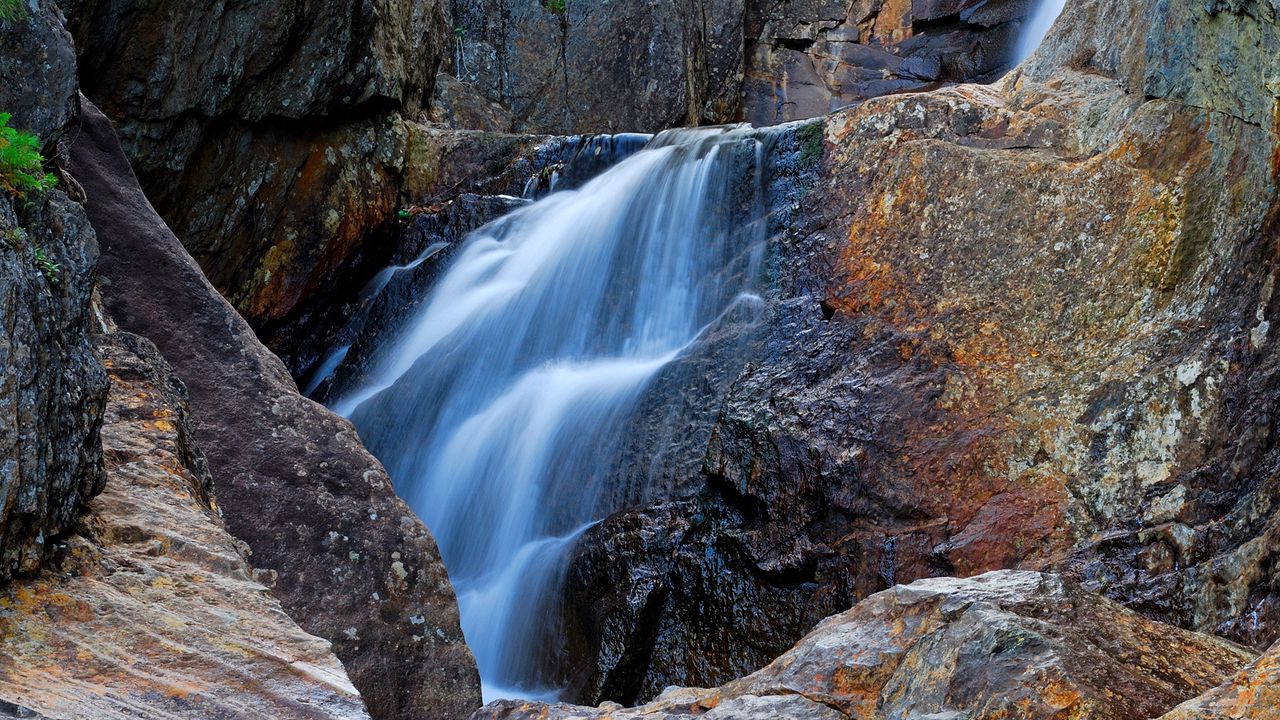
(151, 609)
(343, 554)
(1003, 645)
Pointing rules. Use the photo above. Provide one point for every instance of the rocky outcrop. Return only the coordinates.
(1253, 694)
(343, 554)
(1002, 645)
(53, 388)
(151, 608)
(1021, 326)
(806, 58)
(270, 136)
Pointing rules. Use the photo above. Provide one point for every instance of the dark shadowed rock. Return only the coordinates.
(53, 388)
(805, 58)
(1003, 645)
(269, 135)
(149, 609)
(583, 67)
(345, 556)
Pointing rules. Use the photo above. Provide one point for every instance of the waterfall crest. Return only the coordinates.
(498, 410)
(1037, 27)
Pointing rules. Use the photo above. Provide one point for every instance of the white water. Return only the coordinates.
(1037, 27)
(500, 409)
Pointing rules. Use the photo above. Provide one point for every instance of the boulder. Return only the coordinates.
(1002, 645)
(343, 554)
(151, 608)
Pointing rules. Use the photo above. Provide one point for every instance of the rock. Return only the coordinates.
(1018, 326)
(38, 71)
(270, 136)
(577, 67)
(461, 107)
(151, 608)
(346, 557)
(806, 58)
(53, 388)
(1253, 694)
(1005, 644)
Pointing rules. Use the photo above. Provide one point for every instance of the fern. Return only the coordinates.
(11, 10)
(21, 164)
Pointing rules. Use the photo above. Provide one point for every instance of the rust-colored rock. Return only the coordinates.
(1253, 694)
(151, 609)
(1003, 645)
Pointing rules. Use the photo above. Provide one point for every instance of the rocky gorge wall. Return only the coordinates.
(1020, 326)
(53, 388)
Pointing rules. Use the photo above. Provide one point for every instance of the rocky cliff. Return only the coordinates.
(1024, 325)
(53, 388)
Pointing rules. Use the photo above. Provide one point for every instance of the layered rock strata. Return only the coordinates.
(151, 609)
(343, 554)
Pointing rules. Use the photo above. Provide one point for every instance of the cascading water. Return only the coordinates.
(499, 409)
(1037, 27)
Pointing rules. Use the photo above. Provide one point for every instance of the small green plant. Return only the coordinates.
(47, 267)
(21, 164)
(459, 31)
(556, 6)
(12, 10)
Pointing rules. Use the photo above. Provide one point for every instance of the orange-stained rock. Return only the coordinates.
(152, 610)
(1253, 694)
(1002, 646)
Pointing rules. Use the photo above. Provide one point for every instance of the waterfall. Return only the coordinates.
(499, 409)
(1037, 27)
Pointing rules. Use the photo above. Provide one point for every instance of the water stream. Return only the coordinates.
(499, 410)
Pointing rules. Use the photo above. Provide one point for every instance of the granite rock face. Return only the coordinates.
(1253, 694)
(1016, 326)
(343, 554)
(151, 609)
(269, 135)
(569, 67)
(1002, 645)
(53, 388)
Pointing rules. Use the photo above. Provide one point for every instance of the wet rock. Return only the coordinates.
(53, 388)
(805, 58)
(345, 556)
(1017, 326)
(151, 607)
(1005, 644)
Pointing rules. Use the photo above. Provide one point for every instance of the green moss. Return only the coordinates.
(21, 164)
(556, 6)
(810, 139)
